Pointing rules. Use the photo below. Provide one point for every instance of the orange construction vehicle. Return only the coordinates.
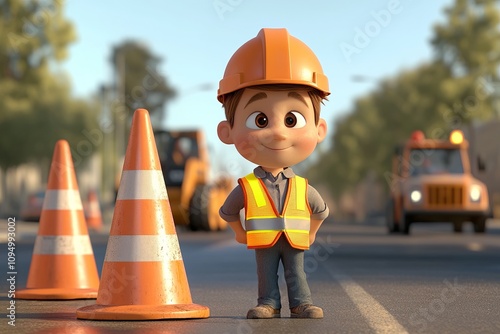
(194, 200)
(432, 182)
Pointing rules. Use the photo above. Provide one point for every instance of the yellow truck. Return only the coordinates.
(194, 197)
(432, 182)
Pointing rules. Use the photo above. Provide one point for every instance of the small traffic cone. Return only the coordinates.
(143, 275)
(63, 264)
(93, 212)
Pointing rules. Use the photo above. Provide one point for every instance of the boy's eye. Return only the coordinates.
(257, 120)
(294, 119)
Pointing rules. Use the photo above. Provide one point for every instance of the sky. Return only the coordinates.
(374, 39)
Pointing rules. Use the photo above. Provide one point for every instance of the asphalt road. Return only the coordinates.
(433, 281)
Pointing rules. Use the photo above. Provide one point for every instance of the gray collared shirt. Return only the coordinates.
(277, 188)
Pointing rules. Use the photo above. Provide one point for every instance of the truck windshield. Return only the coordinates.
(435, 161)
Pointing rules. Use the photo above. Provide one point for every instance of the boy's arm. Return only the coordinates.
(230, 212)
(319, 212)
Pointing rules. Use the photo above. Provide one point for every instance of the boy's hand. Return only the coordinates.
(315, 224)
(312, 237)
(241, 238)
(239, 233)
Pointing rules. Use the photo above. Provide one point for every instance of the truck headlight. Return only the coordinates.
(475, 193)
(416, 196)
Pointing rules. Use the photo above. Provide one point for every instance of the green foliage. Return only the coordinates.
(469, 40)
(468, 43)
(447, 93)
(139, 83)
(364, 139)
(36, 105)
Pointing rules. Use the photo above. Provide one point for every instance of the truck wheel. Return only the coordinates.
(458, 227)
(390, 219)
(203, 209)
(198, 209)
(479, 224)
(405, 222)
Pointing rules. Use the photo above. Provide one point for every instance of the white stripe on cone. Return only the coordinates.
(94, 207)
(62, 199)
(143, 248)
(92, 210)
(142, 184)
(63, 245)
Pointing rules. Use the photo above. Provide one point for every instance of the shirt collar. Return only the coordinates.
(261, 173)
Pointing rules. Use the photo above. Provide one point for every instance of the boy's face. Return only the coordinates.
(274, 129)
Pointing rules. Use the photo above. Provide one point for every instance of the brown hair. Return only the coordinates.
(231, 100)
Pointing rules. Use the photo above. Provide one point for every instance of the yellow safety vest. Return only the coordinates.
(264, 224)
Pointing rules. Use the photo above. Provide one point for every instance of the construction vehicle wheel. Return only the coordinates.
(204, 209)
(198, 209)
(193, 226)
(479, 225)
(405, 222)
(458, 226)
(390, 219)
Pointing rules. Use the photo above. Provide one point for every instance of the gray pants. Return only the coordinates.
(293, 266)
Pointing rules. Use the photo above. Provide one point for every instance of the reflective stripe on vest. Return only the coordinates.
(279, 223)
(264, 223)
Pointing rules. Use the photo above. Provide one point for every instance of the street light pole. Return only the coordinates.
(106, 123)
(122, 110)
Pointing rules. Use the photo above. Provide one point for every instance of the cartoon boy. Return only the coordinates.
(272, 90)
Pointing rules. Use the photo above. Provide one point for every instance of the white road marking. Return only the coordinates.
(475, 247)
(379, 319)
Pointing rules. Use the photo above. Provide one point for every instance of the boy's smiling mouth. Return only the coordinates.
(276, 149)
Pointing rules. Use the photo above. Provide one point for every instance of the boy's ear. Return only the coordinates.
(224, 132)
(322, 130)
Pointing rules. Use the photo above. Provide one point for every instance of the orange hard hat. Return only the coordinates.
(272, 57)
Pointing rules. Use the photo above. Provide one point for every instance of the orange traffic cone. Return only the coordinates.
(143, 276)
(63, 264)
(93, 212)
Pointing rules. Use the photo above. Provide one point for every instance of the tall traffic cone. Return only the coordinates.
(93, 212)
(63, 264)
(143, 276)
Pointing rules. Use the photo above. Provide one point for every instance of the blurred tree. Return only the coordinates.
(469, 41)
(435, 97)
(469, 44)
(364, 139)
(138, 82)
(36, 105)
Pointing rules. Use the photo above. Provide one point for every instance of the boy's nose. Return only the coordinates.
(278, 134)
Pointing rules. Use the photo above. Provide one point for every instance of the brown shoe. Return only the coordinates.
(262, 311)
(306, 311)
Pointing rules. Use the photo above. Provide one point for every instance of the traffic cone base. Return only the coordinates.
(56, 294)
(143, 312)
